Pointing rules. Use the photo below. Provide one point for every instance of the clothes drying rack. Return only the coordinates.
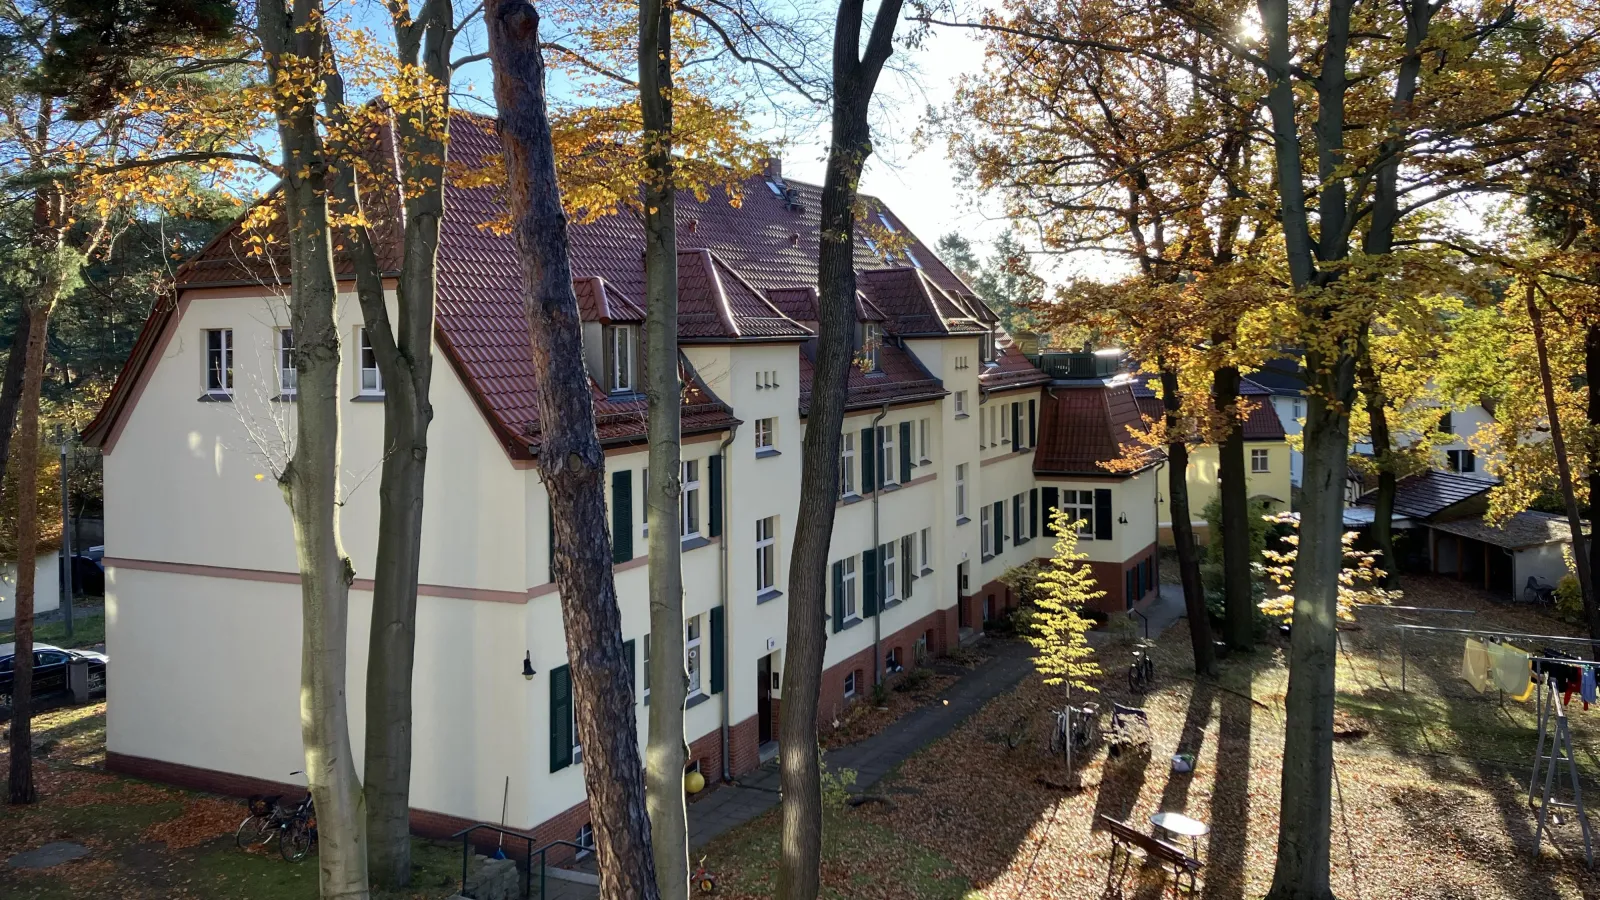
(1404, 629)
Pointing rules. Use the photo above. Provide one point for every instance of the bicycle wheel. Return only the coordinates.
(1135, 683)
(295, 842)
(1148, 666)
(252, 831)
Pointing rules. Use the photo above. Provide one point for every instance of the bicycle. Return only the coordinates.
(1142, 672)
(299, 832)
(1076, 727)
(263, 823)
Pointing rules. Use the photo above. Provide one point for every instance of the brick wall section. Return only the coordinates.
(937, 626)
(744, 751)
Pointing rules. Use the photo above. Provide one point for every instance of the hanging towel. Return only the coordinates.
(1511, 672)
(1588, 686)
(1475, 665)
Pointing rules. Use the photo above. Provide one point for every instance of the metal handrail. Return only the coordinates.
(527, 862)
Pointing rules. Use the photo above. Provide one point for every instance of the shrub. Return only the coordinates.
(1569, 599)
(835, 785)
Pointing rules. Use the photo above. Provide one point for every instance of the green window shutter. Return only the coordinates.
(838, 596)
(560, 718)
(1102, 514)
(714, 467)
(907, 568)
(869, 460)
(1052, 500)
(550, 518)
(1033, 423)
(1016, 426)
(1033, 513)
(905, 452)
(999, 526)
(622, 516)
(630, 650)
(870, 575)
(719, 662)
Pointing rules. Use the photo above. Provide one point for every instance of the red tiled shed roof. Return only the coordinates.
(1083, 428)
(900, 379)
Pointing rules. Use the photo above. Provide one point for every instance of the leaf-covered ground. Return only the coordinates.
(1430, 797)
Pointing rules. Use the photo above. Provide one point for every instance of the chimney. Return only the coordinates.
(773, 169)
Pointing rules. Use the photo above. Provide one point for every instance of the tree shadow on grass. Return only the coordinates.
(1230, 802)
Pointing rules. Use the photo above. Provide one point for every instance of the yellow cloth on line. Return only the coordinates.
(1475, 665)
(1512, 672)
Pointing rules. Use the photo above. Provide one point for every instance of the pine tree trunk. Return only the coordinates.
(310, 480)
(405, 363)
(666, 750)
(1238, 599)
(571, 462)
(11, 390)
(1383, 455)
(27, 445)
(1194, 593)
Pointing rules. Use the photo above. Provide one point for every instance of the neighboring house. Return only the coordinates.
(1285, 387)
(46, 586)
(1266, 452)
(941, 491)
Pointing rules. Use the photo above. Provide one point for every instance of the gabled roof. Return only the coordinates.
(1261, 423)
(913, 304)
(717, 303)
(1521, 530)
(1434, 493)
(599, 302)
(900, 378)
(1010, 370)
(1085, 426)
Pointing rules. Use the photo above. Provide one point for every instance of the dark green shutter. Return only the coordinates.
(870, 574)
(838, 596)
(719, 661)
(1052, 500)
(714, 466)
(1033, 422)
(905, 452)
(560, 718)
(1016, 426)
(999, 526)
(621, 516)
(907, 568)
(1102, 514)
(630, 650)
(550, 517)
(1033, 513)
(869, 460)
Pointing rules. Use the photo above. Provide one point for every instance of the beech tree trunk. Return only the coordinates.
(38, 319)
(1591, 370)
(1377, 404)
(293, 40)
(1194, 592)
(1233, 487)
(666, 750)
(855, 77)
(571, 462)
(1569, 497)
(405, 363)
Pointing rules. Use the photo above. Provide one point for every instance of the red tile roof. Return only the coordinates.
(600, 302)
(900, 379)
(1011, 370)
(913, 303)
(1084, 427)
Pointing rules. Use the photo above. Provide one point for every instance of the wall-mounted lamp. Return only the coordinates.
(527, 666)
(1122, 518)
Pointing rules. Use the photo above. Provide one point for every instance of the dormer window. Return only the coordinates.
(986, 348)
(371, 379)
(872, 339)
(619, 349)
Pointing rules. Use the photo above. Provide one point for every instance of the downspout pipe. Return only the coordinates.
(722, 592)
(877, 576)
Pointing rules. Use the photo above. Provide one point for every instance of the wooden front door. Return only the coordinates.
(764, 699)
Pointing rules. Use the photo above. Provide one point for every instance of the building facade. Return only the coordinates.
(955, 449)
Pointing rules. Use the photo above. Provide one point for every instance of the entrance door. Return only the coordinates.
(961, 591)
(764, 699)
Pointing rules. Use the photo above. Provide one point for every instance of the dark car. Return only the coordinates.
(50, 669)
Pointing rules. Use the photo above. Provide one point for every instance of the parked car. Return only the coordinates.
(50, 669)
(88, 578)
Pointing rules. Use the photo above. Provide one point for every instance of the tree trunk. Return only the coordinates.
(11, 390)
(1194, 593)
(1591, 371)
(1383, 455)
(571, 462)
(295, 41)
(1233, 487)
(666, 750)
(27, 444)
(855, 77)
(1569, 497)
(405, 363)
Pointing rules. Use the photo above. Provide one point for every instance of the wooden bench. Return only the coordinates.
(1125, 839)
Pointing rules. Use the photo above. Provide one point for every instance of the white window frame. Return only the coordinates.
(924, 438)
(888, 464)
(847, 583)
(871, 340)
(924, 542)
(646, 693)
(219, 362)
(766, 553)
(984, 524)
(1298, 408)
(689, 502)
(1005, 425)
(572, 727)
(765, 431)
(891, 571)
(693, 657)
(994, 426)
(961, 403)
(961, 490)
(850, 684)
(373, 386)
(622, 362)
(1079, 505)
(983, 430)
(288, 374)
(1260, 461)
(847, 464)
(1457, 457)
(644, 517)
(585, 840)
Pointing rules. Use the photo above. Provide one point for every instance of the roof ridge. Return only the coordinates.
(720, 295)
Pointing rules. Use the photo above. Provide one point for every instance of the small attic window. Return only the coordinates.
(871, 244)
(986, 348)
(886, 223)
(914, 261)
(776, 190)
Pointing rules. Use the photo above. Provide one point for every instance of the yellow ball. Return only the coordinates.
(694, 782)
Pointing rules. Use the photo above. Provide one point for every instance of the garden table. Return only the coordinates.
(1181, 825)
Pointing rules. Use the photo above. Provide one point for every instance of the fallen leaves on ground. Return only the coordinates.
(203, 819)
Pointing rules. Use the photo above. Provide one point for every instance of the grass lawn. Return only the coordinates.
(88, 628)
(151, 842)
(1430, 796)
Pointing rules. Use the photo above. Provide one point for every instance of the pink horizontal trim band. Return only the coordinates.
(360, 584)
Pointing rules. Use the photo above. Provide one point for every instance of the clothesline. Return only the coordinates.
(1513, 635)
